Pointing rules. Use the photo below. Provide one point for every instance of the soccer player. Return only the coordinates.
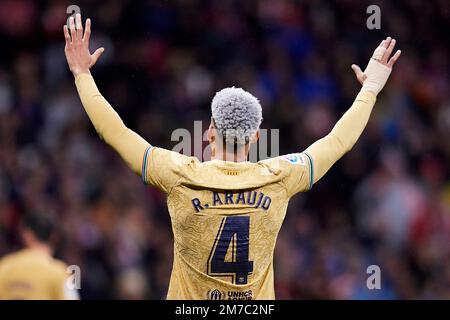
(226, 213)
(32, 273)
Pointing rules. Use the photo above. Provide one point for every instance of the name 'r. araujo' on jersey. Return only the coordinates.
(253, 198)
(225, 219)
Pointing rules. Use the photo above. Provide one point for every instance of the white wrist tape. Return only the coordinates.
(376, 72)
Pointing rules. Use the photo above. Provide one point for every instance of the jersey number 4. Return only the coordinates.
(233, 235)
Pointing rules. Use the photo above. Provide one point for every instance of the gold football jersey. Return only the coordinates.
(225, 219)
(32, 275)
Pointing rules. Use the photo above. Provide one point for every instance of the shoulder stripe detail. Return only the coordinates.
(144, 164)
(311, 171)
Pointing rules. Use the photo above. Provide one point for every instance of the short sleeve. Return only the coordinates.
(163, 168)
(298, 172)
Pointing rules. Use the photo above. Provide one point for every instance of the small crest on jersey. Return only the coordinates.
(294, 158)
(215, 295)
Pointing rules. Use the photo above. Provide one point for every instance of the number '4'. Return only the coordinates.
(234, 232)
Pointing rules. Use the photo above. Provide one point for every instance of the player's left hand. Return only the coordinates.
(78, 57)
(379, 67)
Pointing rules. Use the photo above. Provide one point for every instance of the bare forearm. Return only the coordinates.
(109, 125)
(326, 151)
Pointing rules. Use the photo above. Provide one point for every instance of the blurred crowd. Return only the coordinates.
(386, 203)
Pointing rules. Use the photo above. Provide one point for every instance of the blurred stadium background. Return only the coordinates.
(386, 203)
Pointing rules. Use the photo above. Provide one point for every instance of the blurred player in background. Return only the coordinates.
(226, 213)
(32, 273)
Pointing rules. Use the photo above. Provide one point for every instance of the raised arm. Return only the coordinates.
(106, 121)
(326, 151)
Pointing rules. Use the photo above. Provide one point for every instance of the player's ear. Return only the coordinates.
(255, 137)
(211, 135)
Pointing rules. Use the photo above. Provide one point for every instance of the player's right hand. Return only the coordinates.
(78, 57)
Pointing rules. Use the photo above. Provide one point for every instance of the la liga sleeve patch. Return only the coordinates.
(295, 158)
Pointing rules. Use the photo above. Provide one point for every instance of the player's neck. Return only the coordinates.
(40, 247)
(230, 156)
